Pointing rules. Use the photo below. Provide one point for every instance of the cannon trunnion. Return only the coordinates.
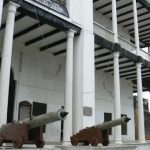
(97, 134)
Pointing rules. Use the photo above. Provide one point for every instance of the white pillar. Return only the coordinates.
(149, 49)
(149, 53)
(117, 108)
(84, 81)
(69, 87)
(1, 10)
(141, 128)
(114, 21)
(84, 70)
(136, 30)
(6, 61)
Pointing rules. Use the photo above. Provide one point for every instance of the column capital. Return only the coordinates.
(70, 33)
(12, 7)
(116, 54)
(149, 49)
(138, 64)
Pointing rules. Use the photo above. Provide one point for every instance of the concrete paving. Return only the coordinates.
(129, 146)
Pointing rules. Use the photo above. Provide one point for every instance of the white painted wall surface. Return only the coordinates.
(105, 101)
(42, 79)
(42, 76)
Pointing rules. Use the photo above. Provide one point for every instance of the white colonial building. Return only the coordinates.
(83, 55)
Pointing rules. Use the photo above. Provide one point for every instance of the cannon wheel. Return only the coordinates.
(1, 141)
(94, 141)
(18, 142)
(74, 141)
(105, 138)
(86, 143)
(40, 144)
(105, 143)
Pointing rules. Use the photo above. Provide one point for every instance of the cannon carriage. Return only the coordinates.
(97, 134)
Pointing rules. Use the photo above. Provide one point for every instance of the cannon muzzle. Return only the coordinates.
(113, 123)
(63, 114)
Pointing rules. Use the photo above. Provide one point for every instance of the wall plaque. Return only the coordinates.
(24, 110)
(87, 111)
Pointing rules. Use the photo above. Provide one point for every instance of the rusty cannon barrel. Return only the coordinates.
(113, 123)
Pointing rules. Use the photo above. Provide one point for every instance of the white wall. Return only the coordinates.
(42, 79)
(105, 101)
(41, 76)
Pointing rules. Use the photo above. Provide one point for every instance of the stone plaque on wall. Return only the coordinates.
(24, 110)
(87, 111)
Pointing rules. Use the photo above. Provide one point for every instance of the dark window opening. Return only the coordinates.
(62, 127)
(39, 109)
(11, 97)
(108, 117)
(123, 127)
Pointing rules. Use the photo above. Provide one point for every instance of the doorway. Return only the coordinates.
(11, 97)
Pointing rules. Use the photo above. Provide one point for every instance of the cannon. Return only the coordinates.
(97, 134)
(29, 130)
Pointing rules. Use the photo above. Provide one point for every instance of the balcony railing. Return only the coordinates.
(109, 35)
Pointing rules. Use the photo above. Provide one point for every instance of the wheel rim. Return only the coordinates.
(1, 141)
(18, 143)
(74, 141)
(40, 144)
(94, 141)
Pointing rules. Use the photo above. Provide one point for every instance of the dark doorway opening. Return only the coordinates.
(11, 97)
(62, 127)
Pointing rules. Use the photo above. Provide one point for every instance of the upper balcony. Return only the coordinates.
(125, 43)
(128, 55)
(103, 23)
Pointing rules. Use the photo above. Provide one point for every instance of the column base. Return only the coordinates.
(142, 141)
(118, 142)
(66, 143)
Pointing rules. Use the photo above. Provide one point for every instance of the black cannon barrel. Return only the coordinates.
(113, 123)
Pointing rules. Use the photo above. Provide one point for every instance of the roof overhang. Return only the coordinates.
(44, 16)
